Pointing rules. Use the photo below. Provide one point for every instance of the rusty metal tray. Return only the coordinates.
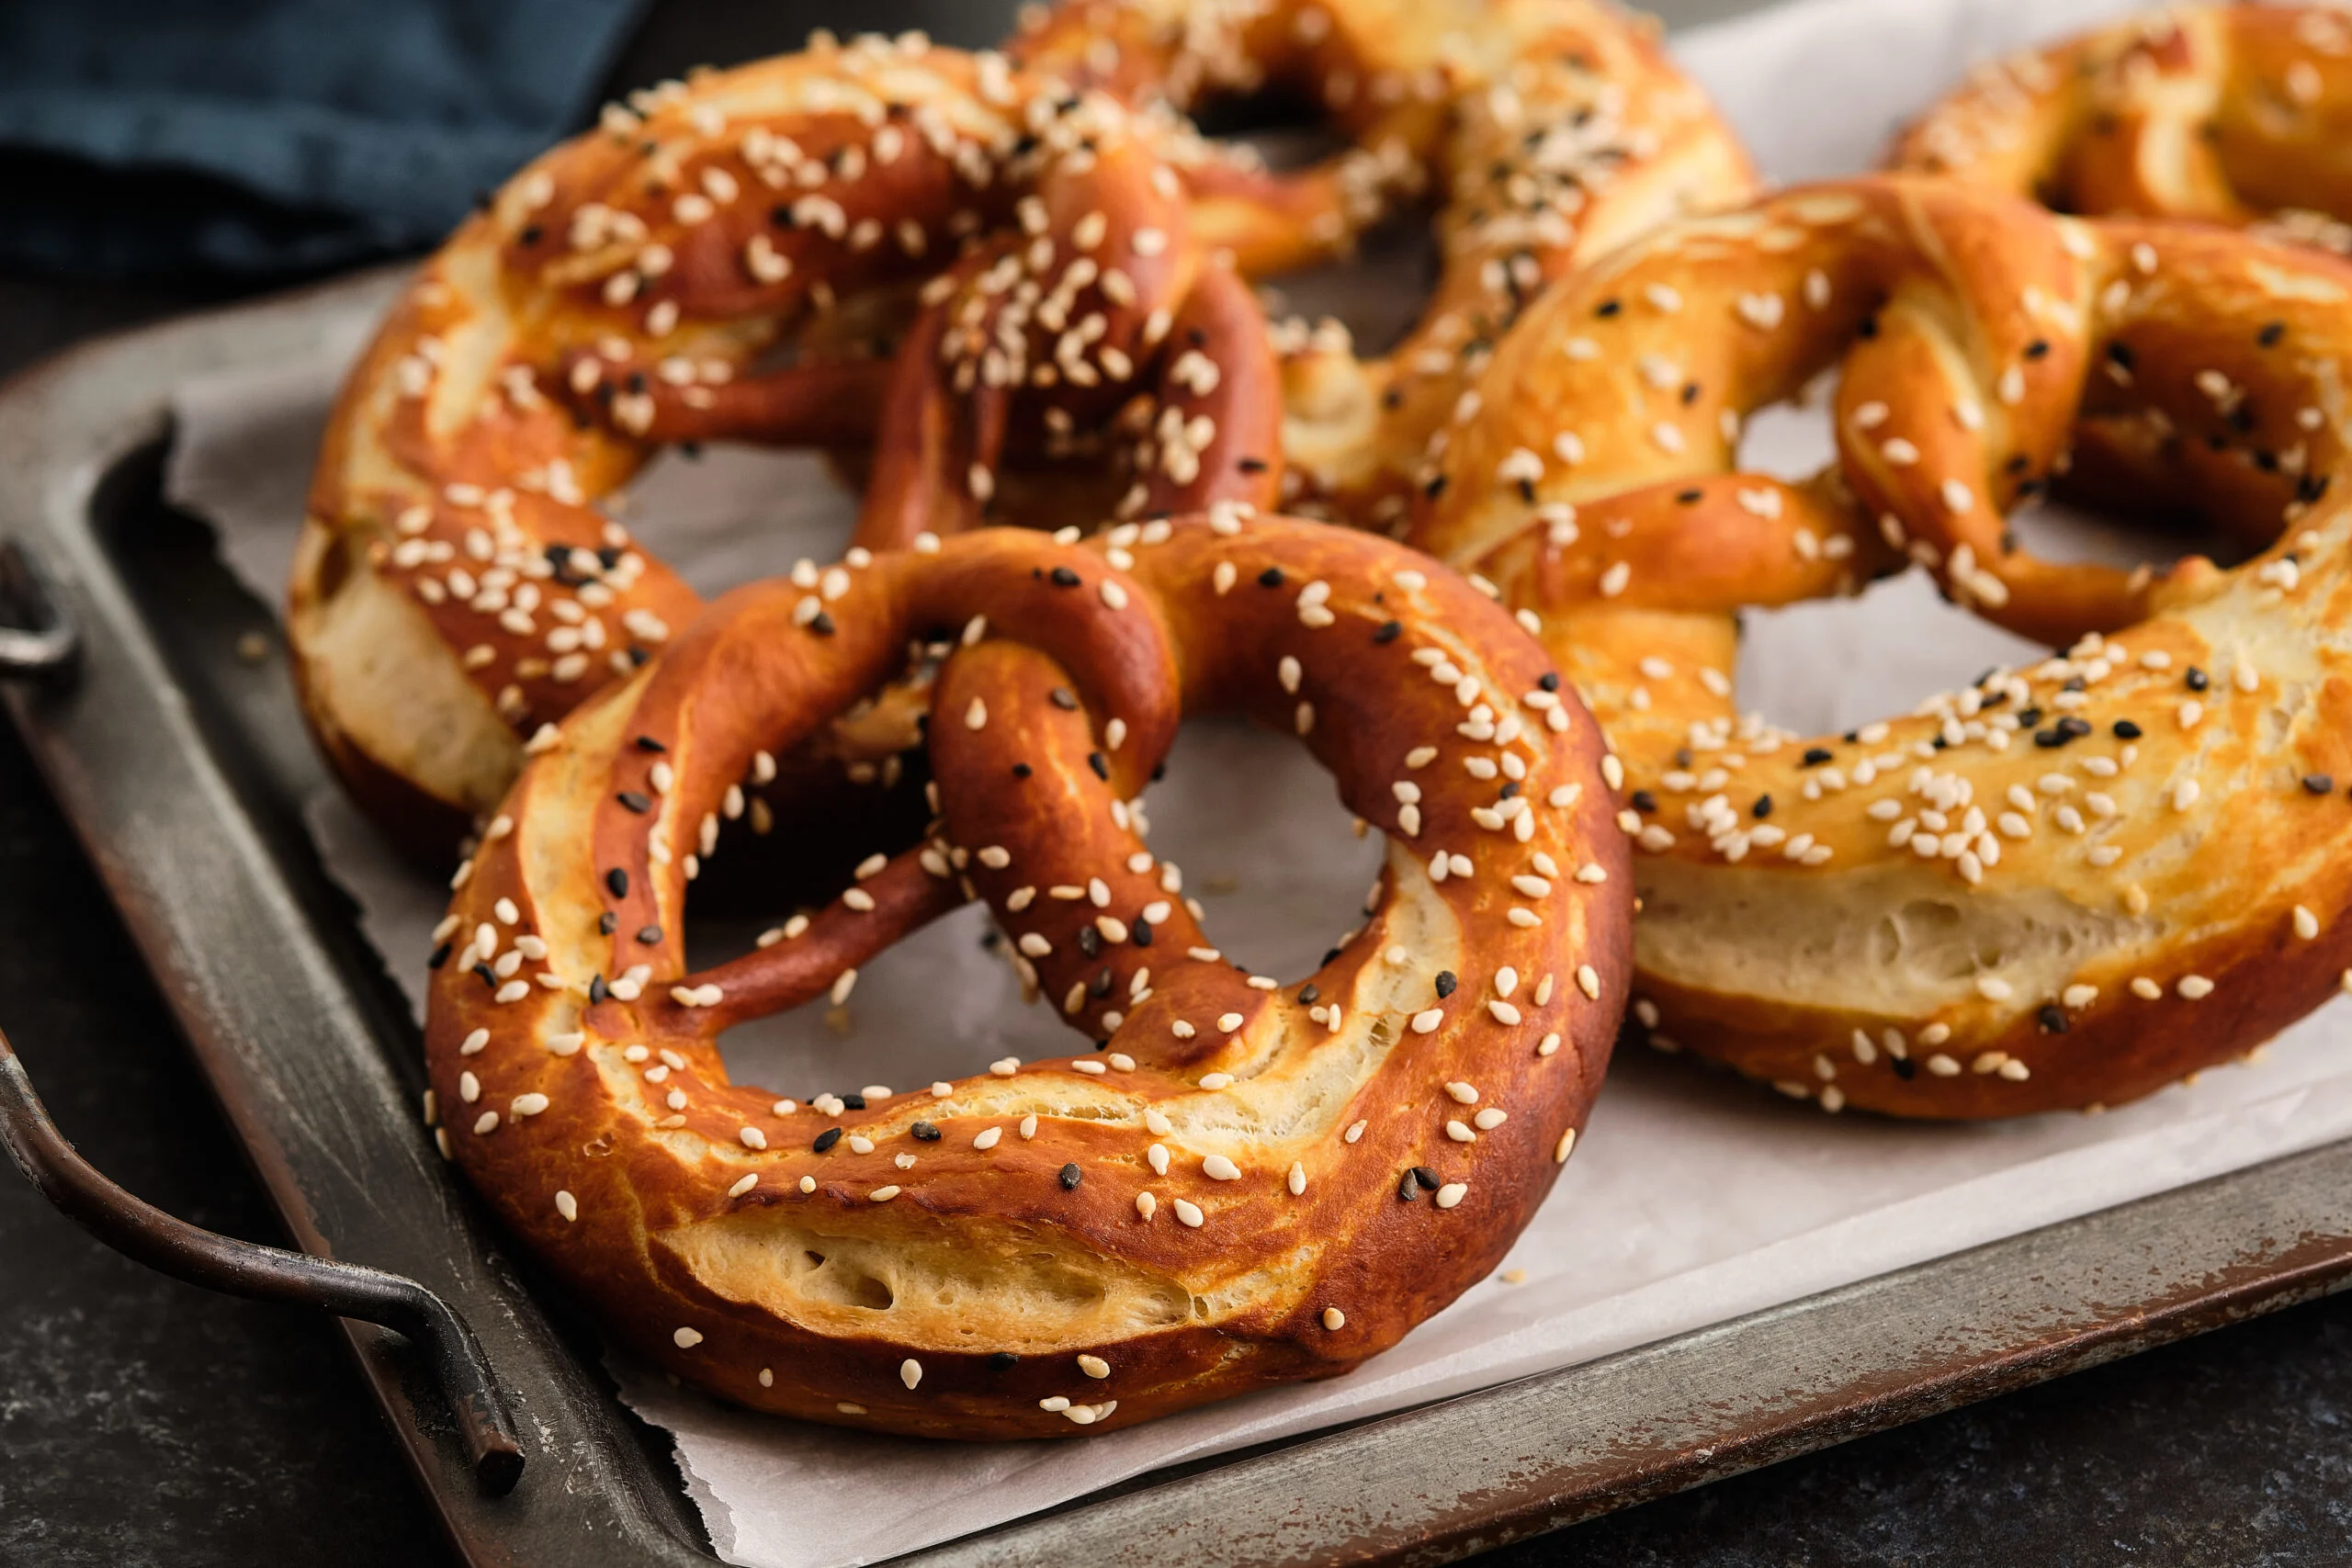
(181, 763)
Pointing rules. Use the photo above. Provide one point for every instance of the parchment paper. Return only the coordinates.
(1693, 1198)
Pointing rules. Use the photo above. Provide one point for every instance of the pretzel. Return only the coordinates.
(2066, 884)
(1239, 1182)
(460, 582)
(2225, 113)
(1565, 132)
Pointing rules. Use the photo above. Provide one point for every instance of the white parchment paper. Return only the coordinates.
(1693, 1198)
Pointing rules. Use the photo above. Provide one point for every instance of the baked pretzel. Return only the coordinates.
(462, 580)
(2065, 885)
(2231, 114)
(1549, 132)
(1239, 1182)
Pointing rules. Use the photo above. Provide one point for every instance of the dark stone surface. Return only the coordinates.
(144, 1422)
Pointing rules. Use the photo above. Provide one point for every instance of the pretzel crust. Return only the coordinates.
(2231, 114)
(2069, 883)
(1016, 1281)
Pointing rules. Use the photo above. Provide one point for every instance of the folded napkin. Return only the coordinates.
(319, 131)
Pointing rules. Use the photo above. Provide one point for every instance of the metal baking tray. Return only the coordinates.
(181, 762)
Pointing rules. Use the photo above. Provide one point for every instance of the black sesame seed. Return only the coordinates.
(643, 742)
(1062, 577)
(1251, 465)
(2319, 784)
(440, 956)
(1425, 1177)
(1270, 577)
(2120, 354)
(2051, 736)
(634, 802)
(1100, 763)
(1090, 941)
(1003, 1361)
(1762, 808)
(1064, 698)
(607, 923)
(597, 989)
(827, 1139)
(2197, 679)
(1904, 1067)
(1815, 756)
(2126, 730)
(1388, 631)
(1140, 932)
(2037, 349)
(1549, 680)
(1435, 487)
(1445, 982)
(2028, 717)
(854, 1101)
(1690, 393)
(1408, 1188)
(1071, 1176)
(2270, 334)
(618, 880)
(1099, 987)
(821, 622)
(2052, 1018)
(1690, 497)
(1643, 800)
(924, 1132)
(1021, 770)
(1608, 307)
(649, 936)
(1307, 994)
(2074, 728)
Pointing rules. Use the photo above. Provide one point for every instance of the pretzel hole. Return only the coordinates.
(1790, 439)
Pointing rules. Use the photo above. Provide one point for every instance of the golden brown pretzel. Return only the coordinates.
(2234, 114)
(1243, 1183)
(2067, 885)
(460, 582)
(1565, 131)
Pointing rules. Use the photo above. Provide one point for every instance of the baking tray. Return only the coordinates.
(180, 760)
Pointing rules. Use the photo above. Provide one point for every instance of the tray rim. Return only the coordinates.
(1422, 1485)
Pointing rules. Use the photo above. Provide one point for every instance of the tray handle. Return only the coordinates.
(145, 1234)
(36, 631)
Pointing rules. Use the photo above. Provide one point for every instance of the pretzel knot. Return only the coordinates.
(1240, 1182)
(2228, 114)
(2023, 895)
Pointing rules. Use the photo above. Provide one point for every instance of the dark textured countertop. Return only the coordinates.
(146, 1422)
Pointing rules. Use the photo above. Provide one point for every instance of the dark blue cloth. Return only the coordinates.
(318, 132)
